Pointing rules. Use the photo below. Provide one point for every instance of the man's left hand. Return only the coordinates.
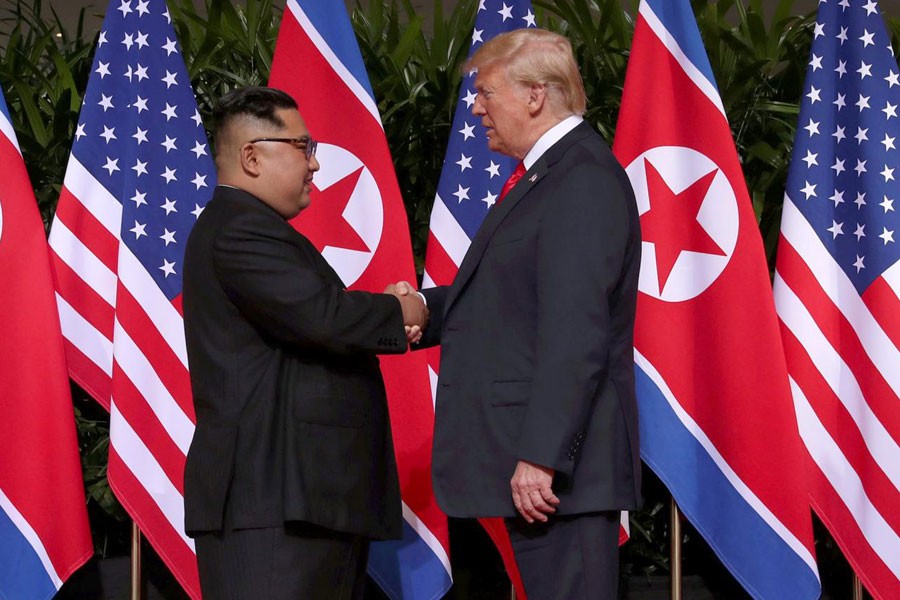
(532, 494)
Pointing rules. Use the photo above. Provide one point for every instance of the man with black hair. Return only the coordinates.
(291, 470)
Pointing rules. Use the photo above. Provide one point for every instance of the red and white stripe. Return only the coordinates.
(125, 345)
(843, 354)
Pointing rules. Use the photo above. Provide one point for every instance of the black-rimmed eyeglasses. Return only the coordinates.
(300, 143)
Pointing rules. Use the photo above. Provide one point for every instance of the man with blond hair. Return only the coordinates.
(536, 418)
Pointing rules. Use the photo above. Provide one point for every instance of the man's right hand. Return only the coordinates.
(415, 313)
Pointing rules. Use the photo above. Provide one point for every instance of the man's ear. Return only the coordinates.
(537, 97)
(250, 159)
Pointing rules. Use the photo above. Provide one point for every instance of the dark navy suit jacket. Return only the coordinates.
(536, 337)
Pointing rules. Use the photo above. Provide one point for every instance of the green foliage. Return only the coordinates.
(44, 70)
(109, 521)
(644, 554)
(225, 46)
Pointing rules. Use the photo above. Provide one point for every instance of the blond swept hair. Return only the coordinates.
(536, 56)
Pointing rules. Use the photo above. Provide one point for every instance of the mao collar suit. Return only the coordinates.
(292, 421)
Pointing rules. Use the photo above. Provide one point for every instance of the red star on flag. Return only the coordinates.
(327, 208)
(671, 223)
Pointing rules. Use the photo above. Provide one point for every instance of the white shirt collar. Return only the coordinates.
(550, 137)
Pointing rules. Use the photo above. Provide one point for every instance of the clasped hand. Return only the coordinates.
(415, 313)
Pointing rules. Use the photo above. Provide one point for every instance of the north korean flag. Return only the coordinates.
(44, 531)
(717, 422)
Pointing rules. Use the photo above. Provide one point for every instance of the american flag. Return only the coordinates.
(472, 175)
(837, 285)
(716, 420)
(44, 531)
(138, 176)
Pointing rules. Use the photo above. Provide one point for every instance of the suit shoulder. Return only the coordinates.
(232, 215)
(588, 180)
(591, 162)
(593, 148)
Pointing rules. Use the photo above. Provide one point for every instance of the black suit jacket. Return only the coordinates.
(292, 419)
(536, 341)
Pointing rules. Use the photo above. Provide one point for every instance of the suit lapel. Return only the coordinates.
(489, 226)
(499, 212)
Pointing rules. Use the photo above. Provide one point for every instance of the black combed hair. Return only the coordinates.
(259, 102)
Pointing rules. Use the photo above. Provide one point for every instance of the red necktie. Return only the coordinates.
(512, 181)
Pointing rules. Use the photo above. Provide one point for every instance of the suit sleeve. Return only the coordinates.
(277, 287)
(435, 298)
(580, 258)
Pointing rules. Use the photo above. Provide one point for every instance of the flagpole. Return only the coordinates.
(675, 549)
(136, 575)
(857, 588)
(512, 591)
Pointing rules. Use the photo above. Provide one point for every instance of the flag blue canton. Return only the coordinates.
(140, 135)
(4, 110)
(844, 174)
(472, 175)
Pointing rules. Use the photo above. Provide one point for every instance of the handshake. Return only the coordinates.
(415, 313)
